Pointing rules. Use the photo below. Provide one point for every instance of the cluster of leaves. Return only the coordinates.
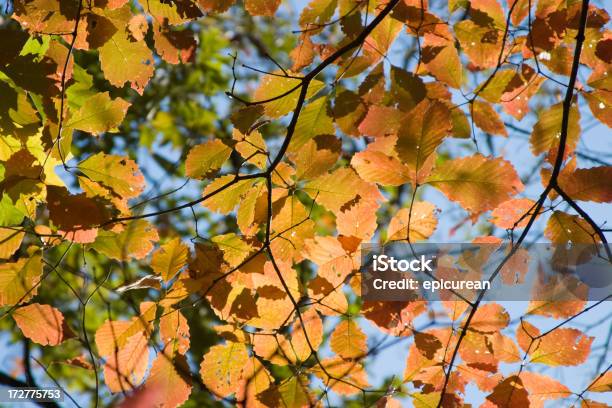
(316, 160)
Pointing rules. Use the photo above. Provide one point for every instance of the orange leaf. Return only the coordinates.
(43, 324)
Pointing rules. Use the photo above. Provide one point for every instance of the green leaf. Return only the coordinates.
(99, 114)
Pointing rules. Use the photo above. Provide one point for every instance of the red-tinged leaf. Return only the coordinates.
(381, 121)
(114, 334)
(125, 368)
(542, 389)
(348, 340)
(515, 100)
(563, 228)
(217, 6)
(303, 54)
(135, 241)
(510, 393)
(335, 261)
(358, 220)
(415, 226)
(513, 213)
(43, 324)
(118, 173)
(43, 16)
(262, 7)
(477, 183)
(394, 318)
(377, 167)
(520, 10)
(79, 361)
(591, 184)
(77, 215)
(547, 131)
(488, 12)
(588, 403)
(338, 188)
(19, 280)
(99, 114)
(442, 59)
(484, 380)
(487, 119)
(602, 383)
(170, 258)
(169, 379)
(174, 46)
(223, 367)
(560, 347)
(388, 402)
(490, 318)
(138, 27)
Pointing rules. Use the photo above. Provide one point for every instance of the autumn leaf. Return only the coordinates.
(281, 93)
(563, 227)
(19, 280)
(10, 241)
(223, 366)
(487, 119)
(414, 224)
(135, 241)
(99, 114)
(513, 213)
(118, 173)
(169, 259)
(43, 324)
(335, 189)
(205, 159)
(602, 383)
(588, 184)
(477, 183)
(170, 380)
(490, 318)
(348, 340)
(547, 131)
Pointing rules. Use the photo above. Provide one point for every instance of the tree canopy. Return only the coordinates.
(187, 186)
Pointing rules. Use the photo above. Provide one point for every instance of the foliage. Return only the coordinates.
(163, 243)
